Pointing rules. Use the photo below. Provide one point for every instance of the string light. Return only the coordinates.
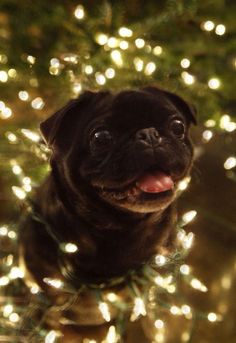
(5, 113)
(31, 59)
(3, 231)
(23, 95)
(157, 50)
(51, 337)
(230, 163)
(139, 42)
(37, 103)
(12, 73)
(197, 284)
(208, 25)
(117, 58)
(125, 32)
(212, 317)
(100, 79)
(79, 12)
(189, 216)
(112, 297)
(69, 248)
(159, 324)
(16, 273)
(220, 30)
(101, 38)
(207, 135)
(214, 83)
(3, 76)
(14, 317)
(124, 45)
(185, 63)
(150, 68)
(160, 260)
(138, 310)
(183, 184)
(188, 78)
(113, 42)
(33, 136)
(138, 63)
(110, 73)
(56, 283)
(210, 123)
(8, 309)
(4, 280)
(112, 336)
(184, 269)
(19, 192)
(88, 69)
(104, 309)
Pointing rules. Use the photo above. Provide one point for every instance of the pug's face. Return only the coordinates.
(129, 149)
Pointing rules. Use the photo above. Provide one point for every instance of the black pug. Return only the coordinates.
(116, 163)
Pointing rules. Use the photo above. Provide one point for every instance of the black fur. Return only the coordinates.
(86, 199)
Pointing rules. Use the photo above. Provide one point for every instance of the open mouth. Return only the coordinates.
(151, 185)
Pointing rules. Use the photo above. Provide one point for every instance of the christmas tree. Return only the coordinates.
(50, 53)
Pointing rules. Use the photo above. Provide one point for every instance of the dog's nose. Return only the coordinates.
(148, 136)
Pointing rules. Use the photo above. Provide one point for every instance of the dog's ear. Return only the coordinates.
(57, 129)
(184, 107)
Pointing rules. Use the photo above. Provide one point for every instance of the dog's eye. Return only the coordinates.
(101, 138)
(177, 127)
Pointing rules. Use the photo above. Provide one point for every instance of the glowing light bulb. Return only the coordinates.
(184, 269)
(77, 88)
(212, 317)
(3, 231)
(33, 136)
(139, 42)
(139, 309)
(4, 280)
(214, 83)
(183, 184)
(188, 78)
(210, 123)
(208, 25)
(112, 297)
(160, 260)
(220, 30)
(19, 192)
(175, 310)
(159, 324)
(124, 45)
(35, 289)
(16, 170)
(185, 63)
(16, 273)
(150, 68)
(88, 69)
(69, 248)
(79, 12)
(12, 73)
(112, 336)
(117, 58)
(186, 309)
(138, 63)
(14, 317)
(103, 307)
(125, 32)
(23, 95)
(101, 38)
(31, 59)
(189, 216)
(51, 337)
(230, 163)
(207, 135)
(157, 50)
(54, 282)
(3, 76)
(38, 103)
(100, 79)
(197, 284)
(8, 309)
(6, 113)
(110, 73)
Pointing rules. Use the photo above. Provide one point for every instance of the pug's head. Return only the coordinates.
(129, 149)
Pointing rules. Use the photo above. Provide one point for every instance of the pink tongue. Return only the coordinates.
(155, 183)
